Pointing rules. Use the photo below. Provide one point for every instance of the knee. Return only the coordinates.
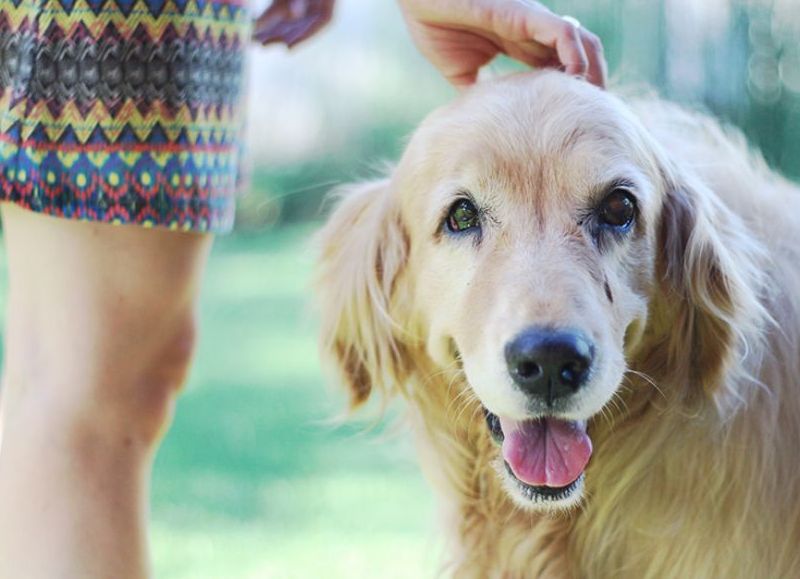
(144, 405)
(119, 383)
(100, 327)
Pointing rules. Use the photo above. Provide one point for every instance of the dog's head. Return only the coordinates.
(535, 237)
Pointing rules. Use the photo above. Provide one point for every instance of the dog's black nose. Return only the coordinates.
(548, 363)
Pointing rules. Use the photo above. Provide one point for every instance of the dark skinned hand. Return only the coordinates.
(292, 21)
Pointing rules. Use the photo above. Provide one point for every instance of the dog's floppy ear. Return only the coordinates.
(362, 251)
(710, 281)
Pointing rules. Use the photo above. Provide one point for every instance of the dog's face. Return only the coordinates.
(525, 221)
(531, 228)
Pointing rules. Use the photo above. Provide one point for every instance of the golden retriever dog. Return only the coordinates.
(592, 308)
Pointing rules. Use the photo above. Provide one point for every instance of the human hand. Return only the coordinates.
(292, 21)
(460, 36)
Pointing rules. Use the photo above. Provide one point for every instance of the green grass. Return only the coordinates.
(254, 480)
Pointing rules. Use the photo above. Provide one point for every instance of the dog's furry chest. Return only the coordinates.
(653, 519)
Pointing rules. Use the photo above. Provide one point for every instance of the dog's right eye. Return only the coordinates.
(618, 209)
(463, 216)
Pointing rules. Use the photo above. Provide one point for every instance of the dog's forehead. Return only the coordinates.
(524, 118)
(532, 133)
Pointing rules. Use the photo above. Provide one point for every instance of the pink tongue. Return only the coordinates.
(546, 452)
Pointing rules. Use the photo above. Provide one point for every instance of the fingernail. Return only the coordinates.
(264, 37)
(292, 39)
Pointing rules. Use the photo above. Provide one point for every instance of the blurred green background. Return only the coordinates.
(255, 480)
(332, 110)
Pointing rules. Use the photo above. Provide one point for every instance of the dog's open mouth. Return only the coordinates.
(546, 456)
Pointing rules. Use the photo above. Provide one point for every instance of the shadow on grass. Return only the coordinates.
(230, 443)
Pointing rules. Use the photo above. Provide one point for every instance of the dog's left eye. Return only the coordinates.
(463, 216)
(618, 209)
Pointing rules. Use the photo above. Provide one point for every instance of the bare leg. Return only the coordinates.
(100, 333)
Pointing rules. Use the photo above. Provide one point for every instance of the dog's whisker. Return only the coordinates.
(467, 402)
(441, 371)
(464, 396)
(476, 412)
(604, 413)
(456, 403)
(649, 380)
(453, 400)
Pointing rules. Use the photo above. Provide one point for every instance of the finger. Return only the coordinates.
(280, 27)
(524, 21)
(569, 48)
(464, 80)
(309, 28)
(325, 7)
(270, 21)
(458, 54)
(532, 52)
(597, 71)
(287, 32)
(321, 17)
(298, 9)
(273, 33)
(534, 55)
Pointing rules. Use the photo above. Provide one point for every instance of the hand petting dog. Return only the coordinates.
(460, 36)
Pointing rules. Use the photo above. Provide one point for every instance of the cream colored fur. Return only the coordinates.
(696, 467)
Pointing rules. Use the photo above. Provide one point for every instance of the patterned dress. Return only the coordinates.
(123, 111)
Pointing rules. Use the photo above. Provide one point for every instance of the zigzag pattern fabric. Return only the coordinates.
(123, 111)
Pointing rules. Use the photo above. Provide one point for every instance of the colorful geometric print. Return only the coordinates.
(123, 111)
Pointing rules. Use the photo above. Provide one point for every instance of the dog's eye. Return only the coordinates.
(618, 209)
(463, 216)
